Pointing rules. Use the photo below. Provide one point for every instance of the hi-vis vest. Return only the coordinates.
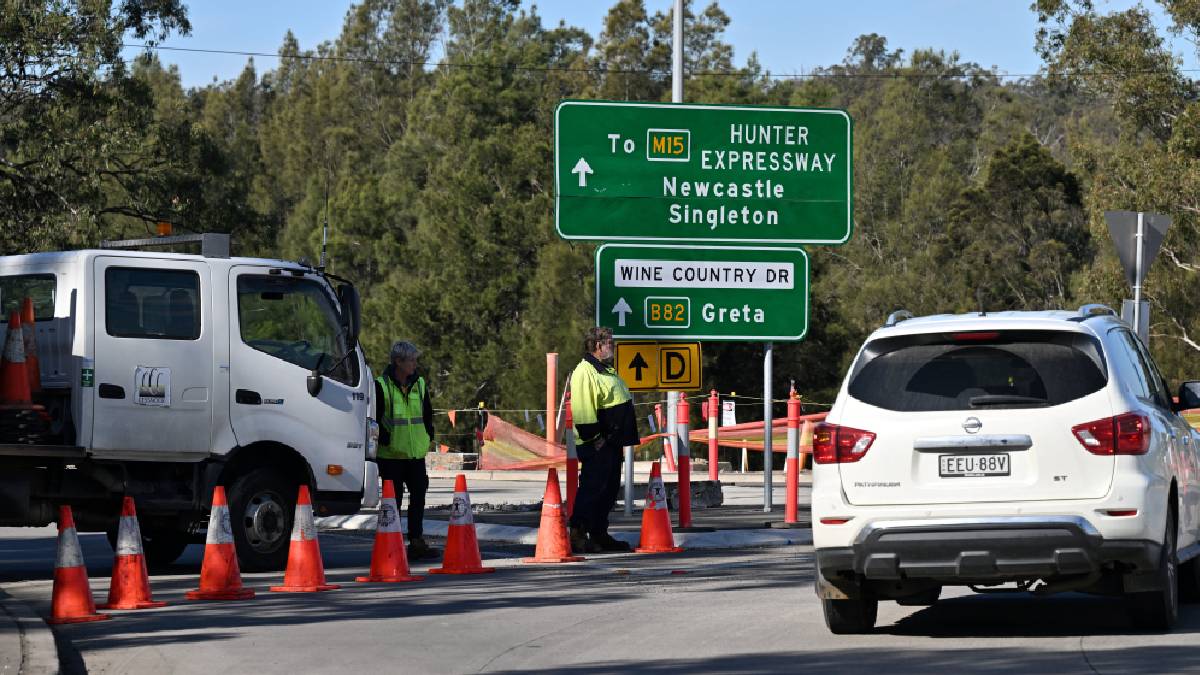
(403, 417)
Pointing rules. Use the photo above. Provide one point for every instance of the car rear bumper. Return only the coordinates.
(967, 550)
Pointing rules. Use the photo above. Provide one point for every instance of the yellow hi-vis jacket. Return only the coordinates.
(601, 405)
(401, 414)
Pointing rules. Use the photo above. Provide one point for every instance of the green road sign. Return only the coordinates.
(702, 173)
(702, 292)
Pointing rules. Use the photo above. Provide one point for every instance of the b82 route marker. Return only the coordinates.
(702, 173)
(702, 292)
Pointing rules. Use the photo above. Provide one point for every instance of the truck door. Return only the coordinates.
(154, 358)
(283, 325)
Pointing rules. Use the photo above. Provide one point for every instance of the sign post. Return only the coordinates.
(1137, 236)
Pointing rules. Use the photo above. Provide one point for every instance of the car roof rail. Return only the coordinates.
(1096, 309)
(898, 316)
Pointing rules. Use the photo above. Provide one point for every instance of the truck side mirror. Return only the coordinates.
(315, 382)
(1189, 395)
(351, 312)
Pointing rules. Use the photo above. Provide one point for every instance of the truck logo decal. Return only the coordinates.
(152, 386)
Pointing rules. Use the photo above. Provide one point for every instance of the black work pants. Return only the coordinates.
(599, 482)
(408, 473)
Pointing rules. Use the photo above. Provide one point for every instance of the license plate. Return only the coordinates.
(964, 466)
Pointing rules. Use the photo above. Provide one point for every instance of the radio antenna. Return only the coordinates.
(325, 227)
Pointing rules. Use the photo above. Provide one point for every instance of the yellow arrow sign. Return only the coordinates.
(650, 366)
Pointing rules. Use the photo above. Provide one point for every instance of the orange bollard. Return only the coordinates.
(72, 596)
(305, 570)
(14, 374)
(130, 587)
(684, 451)
(656, 536)
(553, 543)
(389, 562)
(792, 464)
(462, 547)
(714, 412)
(220, 578)
(29, 333)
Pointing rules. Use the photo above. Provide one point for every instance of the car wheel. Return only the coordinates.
(262, 505)
(1158, 610)
(856, 615)
(1189, 581)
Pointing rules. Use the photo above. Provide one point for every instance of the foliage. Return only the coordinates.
(432, 180)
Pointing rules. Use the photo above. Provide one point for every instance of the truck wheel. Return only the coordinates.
(1158, 610)
(850, 616)
(160, 548)
(262, 505)
(163, 547)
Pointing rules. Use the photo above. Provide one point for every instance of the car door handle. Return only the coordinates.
(111, 391)
(247, 397)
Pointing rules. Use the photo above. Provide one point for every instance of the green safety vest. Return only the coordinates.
(403, 416)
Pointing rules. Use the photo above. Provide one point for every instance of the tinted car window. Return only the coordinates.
(39, 287)
(1127, 361)
(150, 303)
(971, 371)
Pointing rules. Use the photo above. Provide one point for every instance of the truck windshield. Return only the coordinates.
(39, 287)
(294, 319)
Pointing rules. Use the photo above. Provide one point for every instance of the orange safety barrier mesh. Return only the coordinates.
(509, 447)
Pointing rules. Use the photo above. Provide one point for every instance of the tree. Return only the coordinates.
(75, 152)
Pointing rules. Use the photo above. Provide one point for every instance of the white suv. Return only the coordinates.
(1032, 450)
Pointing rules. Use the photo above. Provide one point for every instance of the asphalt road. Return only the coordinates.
(740, 611)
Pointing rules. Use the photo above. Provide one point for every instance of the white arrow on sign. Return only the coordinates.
(582, 168)
(621, 309)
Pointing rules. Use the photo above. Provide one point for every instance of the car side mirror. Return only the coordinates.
(1189, 395)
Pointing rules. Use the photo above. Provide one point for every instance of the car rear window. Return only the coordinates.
(978, 370)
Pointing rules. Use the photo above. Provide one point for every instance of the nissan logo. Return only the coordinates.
(972, 425)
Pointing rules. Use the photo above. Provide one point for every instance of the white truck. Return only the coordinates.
(167, 374)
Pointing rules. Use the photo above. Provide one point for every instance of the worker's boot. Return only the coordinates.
(609, 544)
(419, 550)
(580, 542)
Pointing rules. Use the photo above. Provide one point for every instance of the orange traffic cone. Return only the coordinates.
(72, 596)
(462, 548)
(553, 543)
(14, 374)
(389, 562)
(130, 587)
(305, 571)
(656, 522)
(29, 332)
(220, 578)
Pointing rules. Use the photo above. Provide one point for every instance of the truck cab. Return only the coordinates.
(167, 374)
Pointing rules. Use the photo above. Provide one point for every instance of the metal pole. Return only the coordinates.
(629, 480)
(768, 429)
(1137, 278)
(677, 55)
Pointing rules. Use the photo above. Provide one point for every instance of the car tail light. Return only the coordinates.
(834, 444)
(977, 336)
(1127, 434)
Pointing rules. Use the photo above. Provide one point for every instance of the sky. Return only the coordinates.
(790, 36)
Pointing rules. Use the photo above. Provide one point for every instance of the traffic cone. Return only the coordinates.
(389, 562)
(462, 548)
(553, 543)
(656, 522)
(72, 596)
(29, 332)
(220, 578)
(14, 374)
(305, 571)
(130, 587)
